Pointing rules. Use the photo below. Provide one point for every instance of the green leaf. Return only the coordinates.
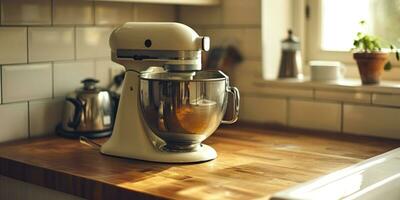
(366, 43)
(388, 66)
(356, 43)
(376, 45)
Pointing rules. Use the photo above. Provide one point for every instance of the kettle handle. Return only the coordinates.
(236, 103)
(77, 113)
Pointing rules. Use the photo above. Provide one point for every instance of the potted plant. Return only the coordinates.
(371, 59)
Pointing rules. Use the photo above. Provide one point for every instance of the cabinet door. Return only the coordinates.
(18, 190)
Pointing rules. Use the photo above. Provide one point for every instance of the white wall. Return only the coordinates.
(277, 19)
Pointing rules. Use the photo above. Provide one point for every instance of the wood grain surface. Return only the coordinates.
(252, 163)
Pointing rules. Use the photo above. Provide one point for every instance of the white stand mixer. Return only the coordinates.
(138, 46)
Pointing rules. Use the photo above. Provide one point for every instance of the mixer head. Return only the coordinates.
(174, 46)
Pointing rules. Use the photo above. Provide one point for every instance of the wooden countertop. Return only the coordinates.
(251, 163)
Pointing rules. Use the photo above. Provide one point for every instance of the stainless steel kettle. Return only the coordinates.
(89, 112)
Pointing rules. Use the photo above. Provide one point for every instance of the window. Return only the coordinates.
(340, 21)
(332, 25)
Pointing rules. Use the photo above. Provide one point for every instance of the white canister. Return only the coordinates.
(326, 70)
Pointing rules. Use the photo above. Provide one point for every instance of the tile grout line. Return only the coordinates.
(222, 11)
(287, 111)
(51, 13)
(273, 95)
(226, 26)
(52, 80)
(94, 13)
(75, 41)
(314, 94)
(27, 44)
(371, 98)
(1, 84)
(95, 67)
(29, 121)
(342, 117)
(177, 11)
(133, 12)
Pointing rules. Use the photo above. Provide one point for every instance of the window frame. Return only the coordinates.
(313, 39)
(314, 51)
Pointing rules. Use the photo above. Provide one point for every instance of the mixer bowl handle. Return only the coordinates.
(236, 103)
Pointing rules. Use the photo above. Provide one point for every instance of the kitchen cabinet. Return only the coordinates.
(252, 163)
(176, 2)
(19, 190)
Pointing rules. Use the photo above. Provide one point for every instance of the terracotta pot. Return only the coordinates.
(371, 66)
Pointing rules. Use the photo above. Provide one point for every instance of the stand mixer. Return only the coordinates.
(167, 106)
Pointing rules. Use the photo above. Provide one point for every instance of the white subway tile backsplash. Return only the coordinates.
(73, 12)
(254, 66)
(371, 120)
(242, 12)
(69, 74)
(234, 22)
(356, 97)
(112, 13)
(315, 115)
(50, 43)
(252, 43)
(263, 110)
(287, 92)
(1, 90)
(44, 115)
(14, 121)
(104, 71)
(26, 82)
(200, 15)
(92, 42)
(25, 12)
(13, 48)
(386, 99)
(225, 37)
(198, 30)
(154, 13)
(244, 75)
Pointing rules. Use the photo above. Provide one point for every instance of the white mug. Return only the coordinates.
(326, 70)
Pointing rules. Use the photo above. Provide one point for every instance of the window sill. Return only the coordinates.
(346, 85)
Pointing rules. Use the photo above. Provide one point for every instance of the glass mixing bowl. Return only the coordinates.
(184, 108)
